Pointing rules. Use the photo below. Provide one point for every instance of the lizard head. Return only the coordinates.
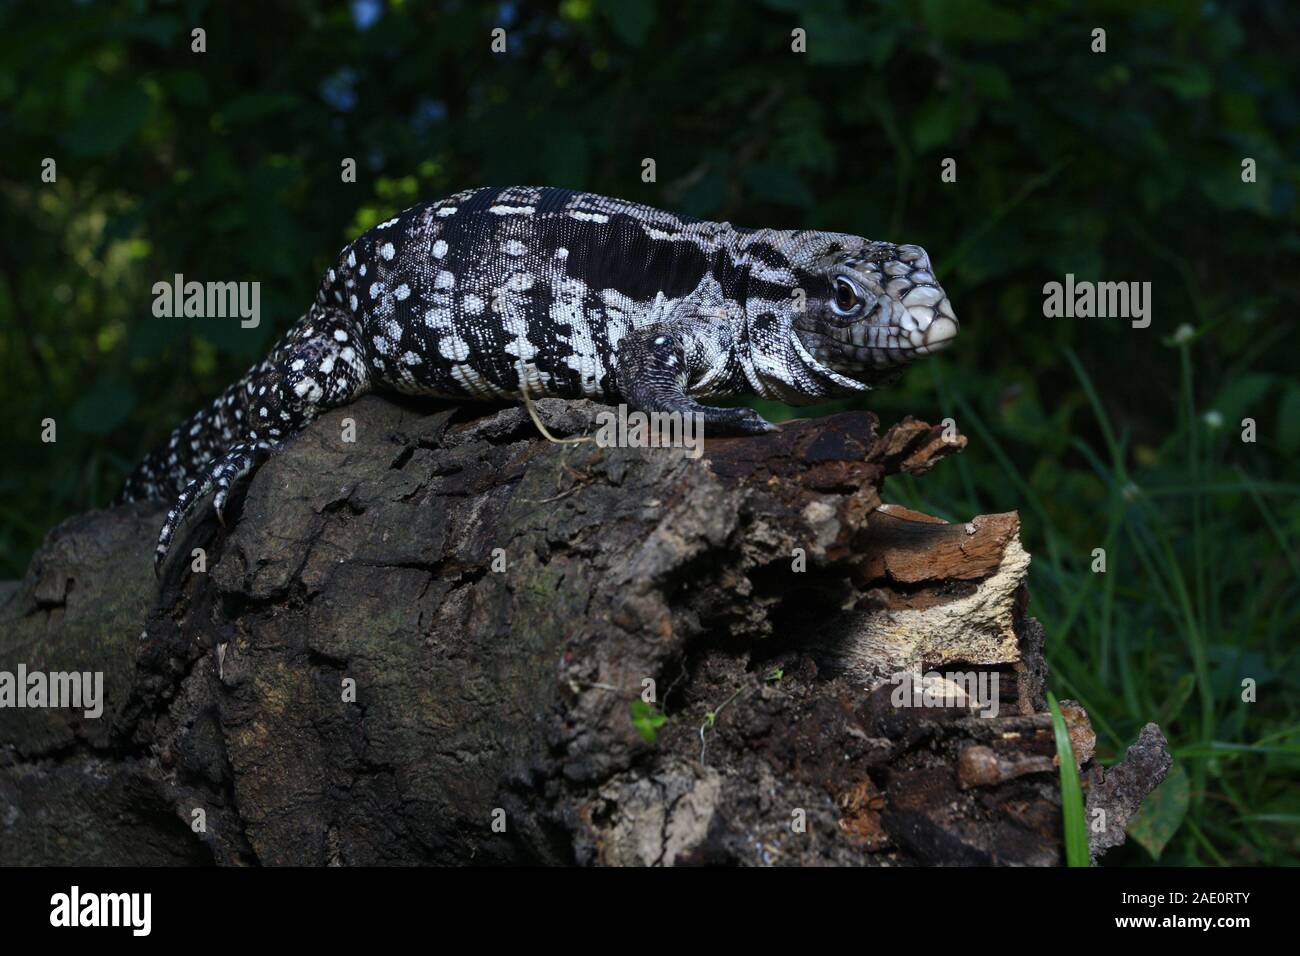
(872, 307)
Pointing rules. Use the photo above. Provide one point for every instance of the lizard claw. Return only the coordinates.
(176, 515)
(241, 458)
(219, 502)
(743, 421)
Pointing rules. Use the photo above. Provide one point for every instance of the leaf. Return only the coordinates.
(1223, 187)
(1231, 663)
(935, 123)
(631, 19)
(188, 88)
(1240, 398)
(109, 121)
(1162, 813)
(972, 20)
(1191, 82)
(989, 81)
(105, 406)
(646, 720)
(834, 42)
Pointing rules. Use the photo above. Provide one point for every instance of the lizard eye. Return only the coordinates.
(846, 299)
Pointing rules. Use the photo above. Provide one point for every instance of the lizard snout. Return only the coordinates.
(918, 308)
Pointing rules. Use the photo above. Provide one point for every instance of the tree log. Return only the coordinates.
(431, 645)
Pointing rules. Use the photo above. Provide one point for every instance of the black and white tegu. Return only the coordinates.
(493, 293)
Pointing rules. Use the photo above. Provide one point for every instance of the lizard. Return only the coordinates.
(532, 292)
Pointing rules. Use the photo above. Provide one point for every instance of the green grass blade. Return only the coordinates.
(1076, 828)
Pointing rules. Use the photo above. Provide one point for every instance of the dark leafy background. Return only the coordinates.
(1120, 166)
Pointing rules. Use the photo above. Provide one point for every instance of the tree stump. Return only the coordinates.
(435, 644)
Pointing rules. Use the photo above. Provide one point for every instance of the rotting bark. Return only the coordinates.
(486, 696)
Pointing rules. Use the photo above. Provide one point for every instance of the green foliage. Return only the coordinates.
(1162, 813)
(1074, 825)
(1124, 165)
(646, 720)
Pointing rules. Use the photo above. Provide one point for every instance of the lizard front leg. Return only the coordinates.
(654, 369)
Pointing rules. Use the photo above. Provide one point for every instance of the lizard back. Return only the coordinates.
(465, 296)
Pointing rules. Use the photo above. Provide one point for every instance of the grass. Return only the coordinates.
(1075, 827)
(1197, 603)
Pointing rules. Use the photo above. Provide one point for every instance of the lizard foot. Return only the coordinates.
(741, 421)
(240, 459)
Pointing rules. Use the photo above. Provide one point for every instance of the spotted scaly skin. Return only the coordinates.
(493, 292)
